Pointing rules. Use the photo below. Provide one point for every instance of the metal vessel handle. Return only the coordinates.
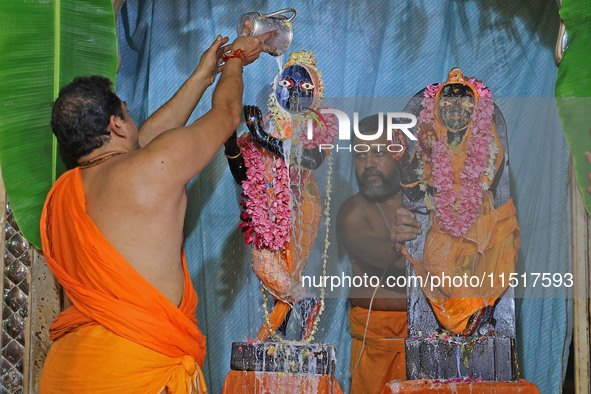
(282, 12)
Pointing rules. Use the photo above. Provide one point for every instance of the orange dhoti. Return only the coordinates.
(121, 334)
(93, 359)
(383, 353)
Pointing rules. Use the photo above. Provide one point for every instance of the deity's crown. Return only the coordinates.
(456, 76)
(302, 57)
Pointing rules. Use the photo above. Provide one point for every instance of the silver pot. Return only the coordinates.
(263, 23)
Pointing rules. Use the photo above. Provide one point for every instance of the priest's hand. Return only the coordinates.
(406, 228)
(252, 46)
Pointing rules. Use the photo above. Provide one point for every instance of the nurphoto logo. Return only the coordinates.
(393, 122)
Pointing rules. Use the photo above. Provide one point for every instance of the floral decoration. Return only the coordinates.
(266, 219)
(455, 214)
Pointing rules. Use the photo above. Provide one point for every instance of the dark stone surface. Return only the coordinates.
(421, 319)
(292, 357)
(439, 359)
(505, 367)
(479, 364)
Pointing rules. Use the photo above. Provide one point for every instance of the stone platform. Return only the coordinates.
(288, 357)
(489, 359)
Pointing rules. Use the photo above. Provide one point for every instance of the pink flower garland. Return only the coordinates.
(266, 219)
(455, 216)
(427, 114)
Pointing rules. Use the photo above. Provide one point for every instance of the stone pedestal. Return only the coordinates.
(293, 367)
(488, 354)
(489, 359)
(290, 357)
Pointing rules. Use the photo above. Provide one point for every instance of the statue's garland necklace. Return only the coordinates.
(455, 214)
(327, 199)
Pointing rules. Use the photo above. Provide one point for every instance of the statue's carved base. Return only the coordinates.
(292, 367)
(489, 359)
(289, 357)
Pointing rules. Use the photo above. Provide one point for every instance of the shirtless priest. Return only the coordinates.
(112, 230)
(372, 226)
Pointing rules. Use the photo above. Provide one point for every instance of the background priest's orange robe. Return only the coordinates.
(383, 353)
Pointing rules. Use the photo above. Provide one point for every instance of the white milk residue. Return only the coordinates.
(279, 60)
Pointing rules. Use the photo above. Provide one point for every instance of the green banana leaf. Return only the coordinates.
(573, 88)
(44, 45)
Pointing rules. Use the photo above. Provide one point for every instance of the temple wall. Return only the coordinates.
(30, 302)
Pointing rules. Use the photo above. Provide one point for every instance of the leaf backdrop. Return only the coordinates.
(43, 46)
(573, 88)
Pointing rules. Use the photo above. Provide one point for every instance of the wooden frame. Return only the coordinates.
(581, 248)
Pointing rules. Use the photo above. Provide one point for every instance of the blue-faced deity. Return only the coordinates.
(294, 90)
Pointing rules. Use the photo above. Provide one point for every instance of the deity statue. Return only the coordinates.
(281, 202)
(454, 173)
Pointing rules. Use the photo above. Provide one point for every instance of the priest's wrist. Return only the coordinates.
(236, 54)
